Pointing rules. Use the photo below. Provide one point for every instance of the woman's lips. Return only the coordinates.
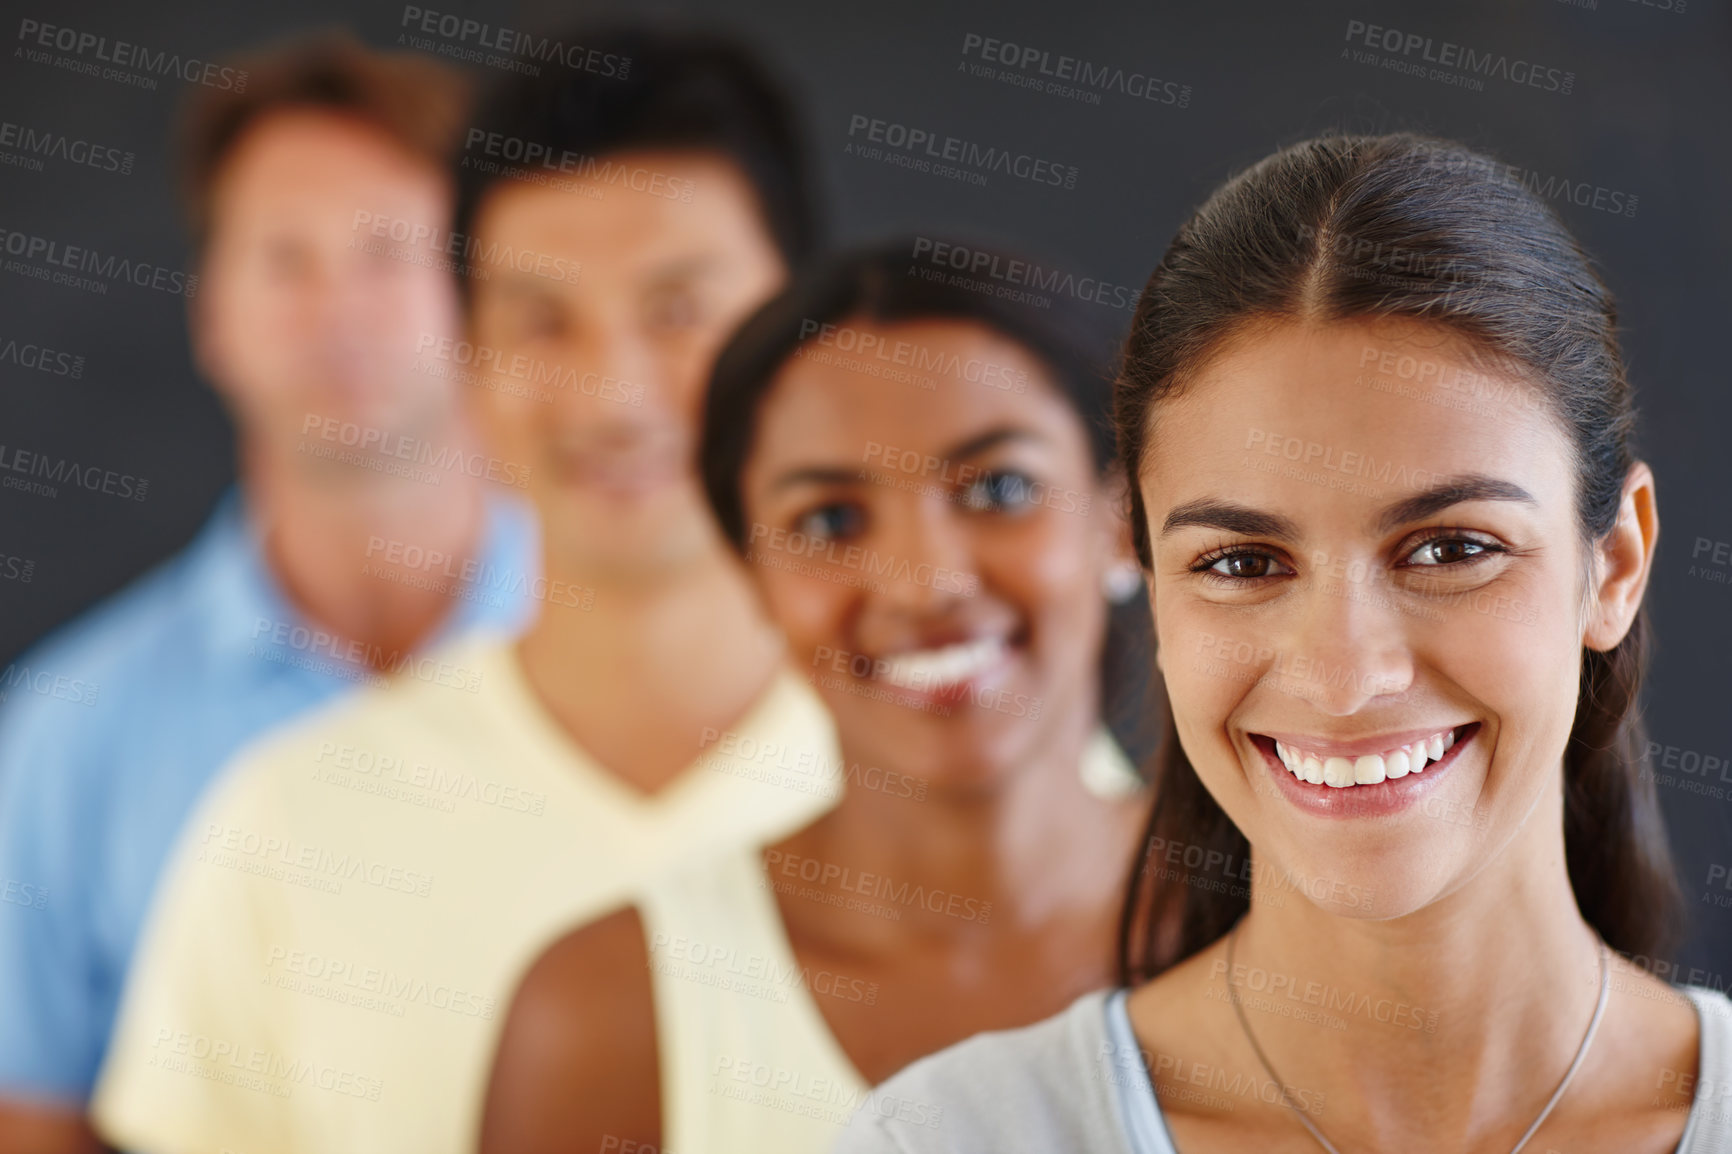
(1351, 786)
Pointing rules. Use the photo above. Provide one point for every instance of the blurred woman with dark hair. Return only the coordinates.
(918, 475)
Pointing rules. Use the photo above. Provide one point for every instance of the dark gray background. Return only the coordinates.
(1648, 117)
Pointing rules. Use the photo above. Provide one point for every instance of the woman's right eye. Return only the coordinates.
(1242, 565)
(831, 522)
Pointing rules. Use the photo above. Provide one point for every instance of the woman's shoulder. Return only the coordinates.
(1038, 1088)
(1709, 1127)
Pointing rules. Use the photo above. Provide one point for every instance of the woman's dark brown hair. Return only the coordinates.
(1345, 227)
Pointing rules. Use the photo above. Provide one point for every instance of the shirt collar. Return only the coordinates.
(243, 602)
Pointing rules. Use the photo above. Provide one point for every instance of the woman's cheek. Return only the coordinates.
(806, 611)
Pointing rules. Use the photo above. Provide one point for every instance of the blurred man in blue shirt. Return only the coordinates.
(367, 525)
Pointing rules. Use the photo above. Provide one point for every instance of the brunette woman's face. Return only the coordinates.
(1365, 555)
(928, 528)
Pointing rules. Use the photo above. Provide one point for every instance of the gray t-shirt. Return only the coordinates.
(1077, 1082)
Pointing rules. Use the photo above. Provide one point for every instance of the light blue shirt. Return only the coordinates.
(111, 728)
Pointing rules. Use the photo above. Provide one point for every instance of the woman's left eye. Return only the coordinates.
(999, 492)
(675, 310)
(1448, 551)
(831, 522)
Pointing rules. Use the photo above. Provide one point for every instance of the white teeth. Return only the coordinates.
(930, 669)
(1367, 769)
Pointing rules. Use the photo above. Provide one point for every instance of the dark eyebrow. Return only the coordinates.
(991, 439)
(1452, 491)
(522, 284)
(1211, 514)
(685, 268)
(816, 475)
(843, 475)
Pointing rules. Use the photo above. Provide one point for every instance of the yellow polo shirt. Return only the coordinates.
(331, 954)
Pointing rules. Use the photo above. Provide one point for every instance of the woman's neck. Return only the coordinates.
(1033, 848)
(1468, 1009)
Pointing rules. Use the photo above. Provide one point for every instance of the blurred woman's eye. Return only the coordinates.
(539, 322)
(286, 260)
(999, 492)
(1241, 565)
(675, 308)
(1450, 550)
(835, 521)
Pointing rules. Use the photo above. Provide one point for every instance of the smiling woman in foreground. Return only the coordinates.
(1374, 420)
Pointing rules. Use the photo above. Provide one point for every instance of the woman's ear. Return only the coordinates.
(1622, 562)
